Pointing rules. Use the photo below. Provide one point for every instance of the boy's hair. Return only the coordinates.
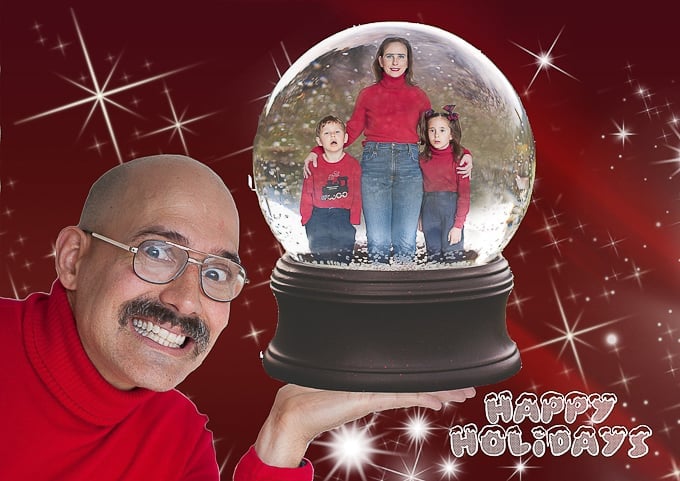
(378, 70)
(329, 119)
(456, 132)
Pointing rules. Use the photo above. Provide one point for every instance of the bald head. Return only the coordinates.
(124, 189)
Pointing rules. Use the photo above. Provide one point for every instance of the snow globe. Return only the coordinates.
(397, 323)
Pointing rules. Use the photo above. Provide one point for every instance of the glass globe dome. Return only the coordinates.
(326, 81)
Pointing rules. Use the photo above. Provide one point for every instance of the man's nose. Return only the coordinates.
(184, 292)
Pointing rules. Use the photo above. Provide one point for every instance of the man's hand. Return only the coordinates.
(300, 414)
(464, 166)
(310, 158)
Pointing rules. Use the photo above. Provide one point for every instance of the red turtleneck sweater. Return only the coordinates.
(387, 111)
(62, 420)
(439, 175)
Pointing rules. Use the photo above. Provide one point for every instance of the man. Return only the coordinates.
(143, 290)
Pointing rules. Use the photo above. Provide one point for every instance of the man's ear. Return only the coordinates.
(346, 137)
(71, 245)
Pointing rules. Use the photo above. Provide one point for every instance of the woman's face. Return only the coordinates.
(439, 133)
(394, 60)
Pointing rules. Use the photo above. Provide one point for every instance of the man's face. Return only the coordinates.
(136, 333)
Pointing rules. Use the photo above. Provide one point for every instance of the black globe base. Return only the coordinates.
(391, 331)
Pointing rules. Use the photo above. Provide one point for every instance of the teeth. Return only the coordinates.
(158, 334)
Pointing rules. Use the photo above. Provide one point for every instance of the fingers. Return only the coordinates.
(465, 166)
(458, 395)
(311, 158)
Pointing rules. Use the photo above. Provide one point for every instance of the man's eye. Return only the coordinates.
(216, 274)
(158, 252)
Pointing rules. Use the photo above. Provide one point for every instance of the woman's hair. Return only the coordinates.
(449, 115)
(377, 69)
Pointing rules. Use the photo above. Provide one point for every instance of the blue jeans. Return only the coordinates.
(330, 235)
(438, 214)
(392, 191)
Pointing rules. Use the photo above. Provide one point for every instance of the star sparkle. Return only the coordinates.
(351, 446)
(613, 243)
(61, 46)
(674, 472)
(254, 334)
(100, 94)
(177, 124)
(417, 427)
(624, 380)
(411, 471)
(622, 133)
(570, 336)
(675, 160)
(450, 468)
(544, 61)
(519, 468)
(636, 274)
(517, 301)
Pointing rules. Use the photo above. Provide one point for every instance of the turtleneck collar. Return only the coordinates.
(442, 153)
(57, 354)
(392, 82)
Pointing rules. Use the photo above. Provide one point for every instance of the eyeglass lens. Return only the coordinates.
(160, 262)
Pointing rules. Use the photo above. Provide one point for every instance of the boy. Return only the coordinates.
(330, 205)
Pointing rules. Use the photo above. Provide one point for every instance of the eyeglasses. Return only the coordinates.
(161, 262)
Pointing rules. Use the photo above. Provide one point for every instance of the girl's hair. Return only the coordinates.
(449, 115)
(377, 69)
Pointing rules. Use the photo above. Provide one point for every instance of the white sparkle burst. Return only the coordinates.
(624, 380)
(351, 446)
(254, 334)
(61, 46)
(411, 471)
(177, 124)
(544, 61)
(519, 468)
(517, 301)
(637, 274)
(450, 468)
(622, 133)
(99, 96)
(569, 335)
(675, 160)
(613, 243)
(674, 473)
(417, 427)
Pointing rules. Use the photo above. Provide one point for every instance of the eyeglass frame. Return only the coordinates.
(190, 260)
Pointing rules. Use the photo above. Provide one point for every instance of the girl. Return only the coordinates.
(446, 193)
(387, 112)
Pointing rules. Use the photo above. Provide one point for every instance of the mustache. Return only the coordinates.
(192, 326)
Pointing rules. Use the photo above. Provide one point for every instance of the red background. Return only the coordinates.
(602, 235)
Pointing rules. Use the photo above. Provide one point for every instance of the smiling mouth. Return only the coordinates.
(159, 334)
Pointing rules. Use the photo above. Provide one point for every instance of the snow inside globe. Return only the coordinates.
(460, 84)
